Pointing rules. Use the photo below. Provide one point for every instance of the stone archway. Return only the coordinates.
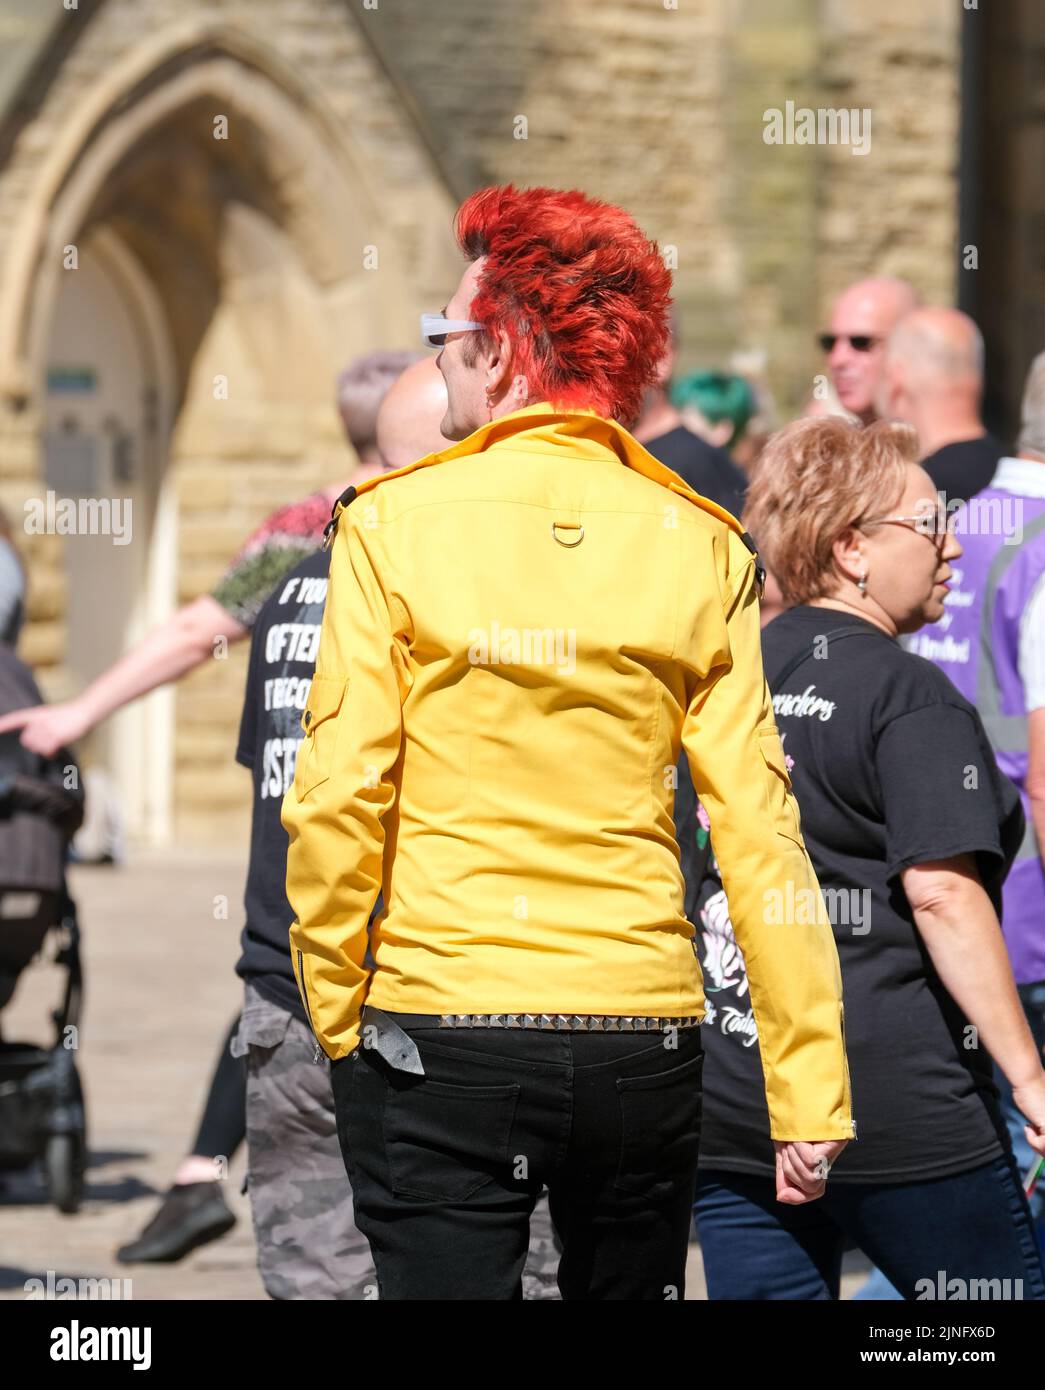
(327, 192)
(271, 259)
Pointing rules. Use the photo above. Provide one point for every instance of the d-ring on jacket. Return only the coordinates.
(519, 633)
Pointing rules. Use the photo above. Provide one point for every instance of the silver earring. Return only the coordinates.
(861, 583)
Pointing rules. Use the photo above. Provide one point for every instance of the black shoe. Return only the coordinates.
(190, 1215)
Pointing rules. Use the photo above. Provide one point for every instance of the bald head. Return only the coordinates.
(866, 312)
(938, 350)
(410, 415)
(880, 301)
(932, 377)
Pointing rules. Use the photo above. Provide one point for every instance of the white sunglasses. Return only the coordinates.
(434, 328)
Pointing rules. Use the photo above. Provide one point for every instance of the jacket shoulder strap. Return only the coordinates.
(355, 490)
(658, 472)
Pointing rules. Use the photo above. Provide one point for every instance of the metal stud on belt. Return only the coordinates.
(569, 1023)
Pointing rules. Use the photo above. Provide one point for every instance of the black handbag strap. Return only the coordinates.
(806, 652)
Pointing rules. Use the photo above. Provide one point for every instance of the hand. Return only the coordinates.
(47, 728)
(802, 1167)
(1030, 1101)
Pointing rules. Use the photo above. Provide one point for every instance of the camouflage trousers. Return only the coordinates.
(300, 1197)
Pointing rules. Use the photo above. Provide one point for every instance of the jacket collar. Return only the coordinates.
(577, 431)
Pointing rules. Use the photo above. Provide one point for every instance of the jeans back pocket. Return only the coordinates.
(660, 1127)
(444, 1142)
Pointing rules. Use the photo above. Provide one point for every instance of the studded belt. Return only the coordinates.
(386, 1032)
(566, 1023)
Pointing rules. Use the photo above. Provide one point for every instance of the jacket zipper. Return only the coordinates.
(304, 994)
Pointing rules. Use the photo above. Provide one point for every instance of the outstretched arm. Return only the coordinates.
(168, 652)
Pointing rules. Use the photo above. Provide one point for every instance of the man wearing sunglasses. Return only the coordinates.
(521, 633)
(861, 319)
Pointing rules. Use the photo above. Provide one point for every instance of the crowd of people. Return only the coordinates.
(477, 885)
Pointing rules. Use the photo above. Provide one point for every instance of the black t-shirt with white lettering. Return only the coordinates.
(282, 662)
(891, 767)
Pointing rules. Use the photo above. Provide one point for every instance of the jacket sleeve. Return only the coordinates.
(779, 919)
(343, 787)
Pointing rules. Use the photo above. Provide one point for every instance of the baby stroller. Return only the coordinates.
(41, 807)
(41, 1099)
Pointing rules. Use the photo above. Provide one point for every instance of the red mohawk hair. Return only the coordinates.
(578, 289)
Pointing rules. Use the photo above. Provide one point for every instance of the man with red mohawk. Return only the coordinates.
(521, 633)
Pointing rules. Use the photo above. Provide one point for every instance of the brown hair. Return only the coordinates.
(816, 479)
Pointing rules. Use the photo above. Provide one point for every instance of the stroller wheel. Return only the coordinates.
(64, 1167)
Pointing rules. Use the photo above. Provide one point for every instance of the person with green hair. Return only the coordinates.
(715, 405)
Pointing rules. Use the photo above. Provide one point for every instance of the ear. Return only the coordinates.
(721, 433)
(498, 364)
(850, 554)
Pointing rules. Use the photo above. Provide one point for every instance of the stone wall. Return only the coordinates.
(649, 103)
(660, 107)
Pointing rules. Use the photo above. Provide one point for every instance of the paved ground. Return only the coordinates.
(160, 995)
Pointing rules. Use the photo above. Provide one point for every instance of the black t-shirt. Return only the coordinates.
(708, 470)
(282, 662)
(963, 469)
(891, 767)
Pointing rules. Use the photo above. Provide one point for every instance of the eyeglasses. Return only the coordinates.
(860, 342)
(935, 524)
(435, 328)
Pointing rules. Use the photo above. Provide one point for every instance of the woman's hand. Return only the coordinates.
(1030, 1101)
(802, 1168)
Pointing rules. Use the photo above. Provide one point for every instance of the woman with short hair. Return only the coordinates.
(911, 828)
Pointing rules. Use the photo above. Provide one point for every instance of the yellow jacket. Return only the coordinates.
(519, 632)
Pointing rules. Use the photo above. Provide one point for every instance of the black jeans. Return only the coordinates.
(446, 1168)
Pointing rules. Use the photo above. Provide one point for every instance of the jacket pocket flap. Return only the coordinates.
(782, 804)
(320, 723)
(325, 698)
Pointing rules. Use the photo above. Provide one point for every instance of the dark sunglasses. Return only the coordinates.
(862, 342)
